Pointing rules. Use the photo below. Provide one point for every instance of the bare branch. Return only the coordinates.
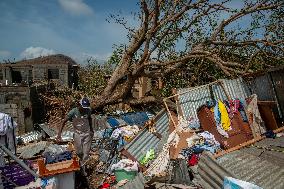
(247, 10)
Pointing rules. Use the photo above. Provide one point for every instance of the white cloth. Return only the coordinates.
(222, 131)
(6, 123)
(127, 131)
(255, 120)
(209, 138)
(191, 141)
(160, 165)
(125, 164)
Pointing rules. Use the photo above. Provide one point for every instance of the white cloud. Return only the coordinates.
(34, 52)
(76, 7)
(4, 53)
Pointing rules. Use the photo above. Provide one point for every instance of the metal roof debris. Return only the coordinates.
(256, 166)
(145, 140)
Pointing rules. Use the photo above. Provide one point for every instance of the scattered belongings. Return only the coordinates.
(216, 137)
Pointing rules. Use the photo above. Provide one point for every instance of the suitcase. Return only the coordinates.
(239, 133)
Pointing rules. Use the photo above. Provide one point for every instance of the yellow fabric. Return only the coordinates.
(225, 120)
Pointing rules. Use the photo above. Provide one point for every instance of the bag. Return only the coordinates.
(232, 183)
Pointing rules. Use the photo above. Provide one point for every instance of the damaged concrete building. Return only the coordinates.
(20, 83)
(55, 67)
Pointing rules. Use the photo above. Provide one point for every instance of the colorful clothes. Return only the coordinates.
(225, 120)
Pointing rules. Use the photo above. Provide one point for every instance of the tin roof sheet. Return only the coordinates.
(190, 99)
(263, 166)
(145, 140)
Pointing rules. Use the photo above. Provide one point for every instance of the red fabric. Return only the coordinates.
(105, 185)
(193, 160)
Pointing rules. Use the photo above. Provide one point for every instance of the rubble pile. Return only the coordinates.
(190, 147)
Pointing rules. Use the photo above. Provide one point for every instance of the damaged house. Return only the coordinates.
(20, 83)
(59, 67)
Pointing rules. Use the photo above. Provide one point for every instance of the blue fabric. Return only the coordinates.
(242, 110)
(200, 148)
(107, 133)
(138, 118)
(194, 124)
(210, 103)
(187, 152)
(217, 114)
(112, 122)
(53, 158)
(243, 115)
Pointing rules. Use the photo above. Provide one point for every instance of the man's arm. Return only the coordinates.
(61, 128)
(69, 116)
(90, 121)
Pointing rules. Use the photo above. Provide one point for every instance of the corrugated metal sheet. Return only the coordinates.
(193, 99)
(268, 86)
(144, 141)
(253, 169)
(30, 150)
(190, 99)
(249, 164)
(278, 82)
(262, 86)
(235, 88)
(211, 174)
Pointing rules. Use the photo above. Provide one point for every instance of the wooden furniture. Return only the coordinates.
(240, 132)
(267, 115)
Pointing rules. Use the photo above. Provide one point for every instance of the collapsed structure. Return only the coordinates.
(223, 133)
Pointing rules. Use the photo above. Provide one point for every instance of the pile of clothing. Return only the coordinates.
(55, 153)
(224, 112)
(191, 123)
(127, 132)
(198, 143)
(7, 132)
(125, 164)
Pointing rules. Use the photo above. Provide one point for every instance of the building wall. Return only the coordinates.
(17, 114)
(14, 100)
(38, 112)
(40, 72)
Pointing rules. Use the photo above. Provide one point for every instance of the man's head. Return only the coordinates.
(84, 103)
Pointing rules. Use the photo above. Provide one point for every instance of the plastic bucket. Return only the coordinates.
(122, 174)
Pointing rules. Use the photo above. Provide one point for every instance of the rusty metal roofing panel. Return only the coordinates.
(145, 140)
(191, 100)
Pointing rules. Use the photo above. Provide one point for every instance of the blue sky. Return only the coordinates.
(77, 28)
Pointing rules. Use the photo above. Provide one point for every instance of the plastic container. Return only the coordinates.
(122, 174)
(58, 168)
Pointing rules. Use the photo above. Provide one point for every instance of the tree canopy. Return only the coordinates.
(213, 37)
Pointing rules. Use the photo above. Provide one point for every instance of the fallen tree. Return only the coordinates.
(174, 33)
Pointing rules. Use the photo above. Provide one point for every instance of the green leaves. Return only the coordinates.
(94, 76)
